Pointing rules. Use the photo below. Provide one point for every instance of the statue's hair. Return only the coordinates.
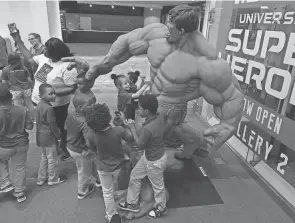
(98, 117)
(185, 17)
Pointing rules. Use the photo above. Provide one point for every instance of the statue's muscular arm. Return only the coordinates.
(127, 45)
(220, 88)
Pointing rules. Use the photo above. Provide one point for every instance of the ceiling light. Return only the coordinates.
(151, 9)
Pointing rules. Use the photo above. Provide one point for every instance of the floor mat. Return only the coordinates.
(188, 187)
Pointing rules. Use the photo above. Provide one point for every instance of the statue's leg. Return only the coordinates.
(174, 114)
(192, 140)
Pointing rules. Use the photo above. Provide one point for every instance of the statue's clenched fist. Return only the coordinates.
(217, 135)
(82, 67)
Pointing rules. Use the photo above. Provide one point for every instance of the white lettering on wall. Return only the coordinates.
(267, 149)
(278, 125)
(290, 50)
(267, 118)
(258, 114)
(235, 67)
(255, 49)
(251, 137)
(282, 164)
(235, 40)
(286, 83)
(289, 19)
(268, 18)
(262, 147)
(257, 77)
(258, 144)
(280, 35)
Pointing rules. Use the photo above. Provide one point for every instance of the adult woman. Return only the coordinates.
(52, 70)
(37, 46)
(36, 49)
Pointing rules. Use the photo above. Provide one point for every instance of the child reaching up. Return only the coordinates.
(110, 155)
(125, 97)
(153, 162)
(80, 145)
(133, 77)
(84, 87)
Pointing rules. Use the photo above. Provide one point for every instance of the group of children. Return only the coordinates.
(96, 144)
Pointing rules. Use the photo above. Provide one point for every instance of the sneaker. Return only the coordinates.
(97, 183)
(60, 180)
(157, 213)
(107, 219)
(115, 219)
(129, 207)
(41, 182)
(20, 197)
(66, 157)
(7, 188)
(90, 190)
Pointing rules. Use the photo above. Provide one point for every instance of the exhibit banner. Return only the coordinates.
(259, 45)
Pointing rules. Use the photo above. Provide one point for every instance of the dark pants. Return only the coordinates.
(61, 114)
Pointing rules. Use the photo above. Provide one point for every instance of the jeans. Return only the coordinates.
(108, 181)
(154, 170)
(61, 114)
(18, 161)
(23, 98)
(48, 164)
(191, 138)
(86, 168)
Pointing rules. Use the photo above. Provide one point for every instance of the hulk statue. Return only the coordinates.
(184, 67)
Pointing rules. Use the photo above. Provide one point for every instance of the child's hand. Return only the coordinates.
(147, 90)
(85, 152)
(130, 123)
(148, 83)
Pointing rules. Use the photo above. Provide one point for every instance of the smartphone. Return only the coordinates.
(12, 28)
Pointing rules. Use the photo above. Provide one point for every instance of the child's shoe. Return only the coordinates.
(91, 188)
(129, 207)
(41, 182)
(97, 183)
(60, 180)
(7, 188)
(20, 196)
(157, 212)
(115, 219)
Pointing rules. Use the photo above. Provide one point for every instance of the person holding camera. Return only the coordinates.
(51, 70)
